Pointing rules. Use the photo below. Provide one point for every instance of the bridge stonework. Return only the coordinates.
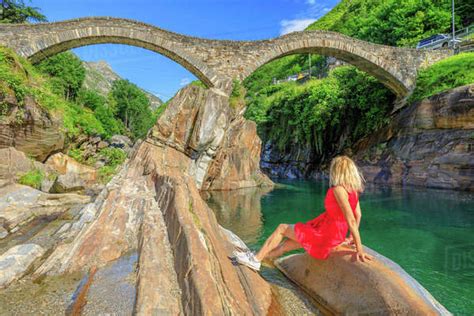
(218, 62)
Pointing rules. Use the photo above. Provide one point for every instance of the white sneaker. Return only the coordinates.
(247, 259)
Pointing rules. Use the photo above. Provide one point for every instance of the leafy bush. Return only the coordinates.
(76, 154)
(32, 178)
(446, 74)
(198, 83)
(236, 100)
(316, 114)
(111, 124)
(106, 173)
(90, 99)
(113, 156)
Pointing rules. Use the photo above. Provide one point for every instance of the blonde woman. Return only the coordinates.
(321, 234)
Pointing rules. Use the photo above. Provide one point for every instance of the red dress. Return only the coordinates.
(319, 235)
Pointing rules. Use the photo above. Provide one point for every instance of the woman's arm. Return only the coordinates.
(342, 199)
(358, 214)
(350, 239)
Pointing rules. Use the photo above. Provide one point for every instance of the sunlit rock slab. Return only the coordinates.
(342, 286)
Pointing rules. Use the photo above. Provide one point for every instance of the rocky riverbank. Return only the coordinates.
(149, 228)
(153, 207)
(428, 144)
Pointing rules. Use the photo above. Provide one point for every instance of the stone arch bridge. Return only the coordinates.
(218, 62)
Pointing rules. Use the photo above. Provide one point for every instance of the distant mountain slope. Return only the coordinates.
(100, 76)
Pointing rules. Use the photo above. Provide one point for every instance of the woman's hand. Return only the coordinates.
(349, 241)
(362, 256)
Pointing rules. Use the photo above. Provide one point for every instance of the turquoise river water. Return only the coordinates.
(428, 232)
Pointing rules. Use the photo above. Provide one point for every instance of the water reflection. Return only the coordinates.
(239, 210)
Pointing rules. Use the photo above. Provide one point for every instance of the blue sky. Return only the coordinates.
(218, 19)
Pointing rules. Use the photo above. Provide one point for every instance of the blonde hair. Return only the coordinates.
(344, 172)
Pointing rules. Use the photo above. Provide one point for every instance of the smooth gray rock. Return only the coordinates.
(3, 232)
(16, 261)
(20, 204)
(68, 182)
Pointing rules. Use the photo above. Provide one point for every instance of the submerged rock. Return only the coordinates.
(16, 261)
(342, 286)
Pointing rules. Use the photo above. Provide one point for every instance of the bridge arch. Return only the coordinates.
(385, 63)
(44, 42)
(217, 62)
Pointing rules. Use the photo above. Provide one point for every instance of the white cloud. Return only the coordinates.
(311, 2)
(184, 81)
(288, 26)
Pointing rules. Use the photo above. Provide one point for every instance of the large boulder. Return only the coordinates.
(72, 175)
(69, 182)
(342, 286)
(63, 164)
(30, 128)
(122, 142)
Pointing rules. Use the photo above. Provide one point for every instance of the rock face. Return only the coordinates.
(30, 128)
(298, 163)
(154, 206)
(100, 77)
(224, 149)
(342, 286)
(427, 144)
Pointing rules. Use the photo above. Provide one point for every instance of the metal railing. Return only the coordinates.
(465, 31)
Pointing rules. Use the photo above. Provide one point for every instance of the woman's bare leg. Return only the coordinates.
(283, 230)
(283, 247)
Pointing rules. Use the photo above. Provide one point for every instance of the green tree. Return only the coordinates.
(104, 110)
(67, 71)
(16, 11)
(465, 10)
(389, 22)
(132, 107)
(90, 98)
